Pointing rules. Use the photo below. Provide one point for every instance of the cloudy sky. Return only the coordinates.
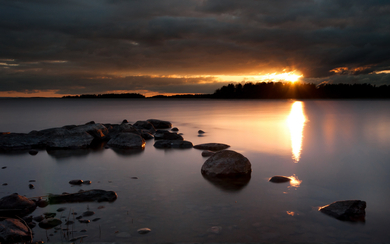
(61, 47)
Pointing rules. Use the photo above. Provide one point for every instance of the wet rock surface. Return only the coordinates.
(13, 230)
(279, 179)
(144, 230)
(227, 163)
(172, 144)
(49, 223)
(85, 196)
(160, 124)
(348, 210)
(127, 141)
(16, 205)
(166, 135)
(212, 146)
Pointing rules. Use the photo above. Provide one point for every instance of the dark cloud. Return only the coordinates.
(63, 41)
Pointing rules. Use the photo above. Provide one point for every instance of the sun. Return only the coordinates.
(287, 76)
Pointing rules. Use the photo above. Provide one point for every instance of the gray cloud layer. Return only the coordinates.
(64, 45)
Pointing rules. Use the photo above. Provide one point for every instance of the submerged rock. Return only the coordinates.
(16, 205)
(172, 144)
(279, 179)
(85, 196)
(348, 210)
(144, 230)
(226, 163)
(49, 223)
(76, 182)
(127, 141)
(211, 146)
(13, 230)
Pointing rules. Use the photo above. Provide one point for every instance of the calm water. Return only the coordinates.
(337, 150)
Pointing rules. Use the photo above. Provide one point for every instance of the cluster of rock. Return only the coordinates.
(124, 136)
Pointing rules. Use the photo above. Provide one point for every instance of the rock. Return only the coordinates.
(166, 135)
(160, 124)
(84, 221)
(98, 131)
(127, 141)
(144, 125)
(42, 203)
(88, 213)
(87, 182)
(207, 153)
(76, 182)
(226, 163)
(86, 196)
(38, 218)
(31, 186)
(49, 215)
(95, 219)
(114, 130)
(201, 132)
(124, 121)
(146, 135)
(172, 144)
(279, 179)
(144, 230)
(348, 210)
(4, 167)
(62, 138)
(175, 129)
(16, 205)
(13, 230)
(15, 141)
(211, 146)
(61, 209)
(5, 184)
(69, 222)
(31, 180)
(134, 178)
(33, 152)
(49, 223)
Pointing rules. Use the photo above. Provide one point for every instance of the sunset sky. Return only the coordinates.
(62, 47)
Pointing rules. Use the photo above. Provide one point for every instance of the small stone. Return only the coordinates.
(144, 230)
(76, 182)
(49, 223)
(61, 209)
(84, 221)
(4, 167)
(42, 203)
(79, 217)
(279, 179)
(94, 220)
(31, 186)
(31, 181)
(134, 178)
(49, 215)
(174, 129)
(201, 132)
(38, 218)
(87, 182)
(100, 207)
(33, 152)
(74, 213)
(88, 213)
(5, 184)
(215, 229)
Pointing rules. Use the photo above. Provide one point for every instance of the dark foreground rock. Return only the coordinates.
(279, 179)
(226, 163)
(348, 210)
(172, 144)
(127, 141)
(16, 205)
(160, 124)
(85, 196)
(13, 230)
(212, 146)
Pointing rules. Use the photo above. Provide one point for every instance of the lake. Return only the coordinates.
(334, 149)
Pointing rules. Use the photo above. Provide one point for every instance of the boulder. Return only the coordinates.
(160, 124)
(16, 205)
(279, 179)
(211, 146)
(172, 144)
(127, 141)
(348, 210)
(85, 196)
(166, 135)
(226, 163)
(144, 125)
(146, 135)
(13, 230)
(62, 138)
(98, 131)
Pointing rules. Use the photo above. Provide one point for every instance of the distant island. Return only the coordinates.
(274, 90)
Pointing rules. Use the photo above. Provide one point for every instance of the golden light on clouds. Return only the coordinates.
(292, 76)
(296, 122)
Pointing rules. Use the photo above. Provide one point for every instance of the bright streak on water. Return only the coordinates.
(296, 122)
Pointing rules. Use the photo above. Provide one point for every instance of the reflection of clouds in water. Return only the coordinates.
(295, 122)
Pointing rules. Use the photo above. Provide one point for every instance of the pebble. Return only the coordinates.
(61, 209)
(101, 207)
(31, 181)
(49, 215)
(144, 230)
(31, 186)
(5, 184)
(134, 178)
(201, 132)
(87, 182)
(76, 182)
(85, 221)
(215, 229)
(88, 213)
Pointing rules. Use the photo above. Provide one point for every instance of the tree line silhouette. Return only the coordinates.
(274, 90)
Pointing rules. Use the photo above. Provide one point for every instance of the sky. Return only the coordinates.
(69, 47)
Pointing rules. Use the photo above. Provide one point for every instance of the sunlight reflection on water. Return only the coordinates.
(296, 122)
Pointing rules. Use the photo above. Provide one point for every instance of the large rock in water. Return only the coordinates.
(65, 138)
(211, 146)
(160, 124)
(144, 125)
(348, 210)
(227, 163)
(98, 131)
(16, 205)
(127, 141)
(13, 230)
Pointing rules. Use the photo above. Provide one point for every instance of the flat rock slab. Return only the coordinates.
(226, 163)
(348, 210)
(85, 196)
(279, 179)
(172, 144)
(212, 146)
(127, 141)
(13, 230)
